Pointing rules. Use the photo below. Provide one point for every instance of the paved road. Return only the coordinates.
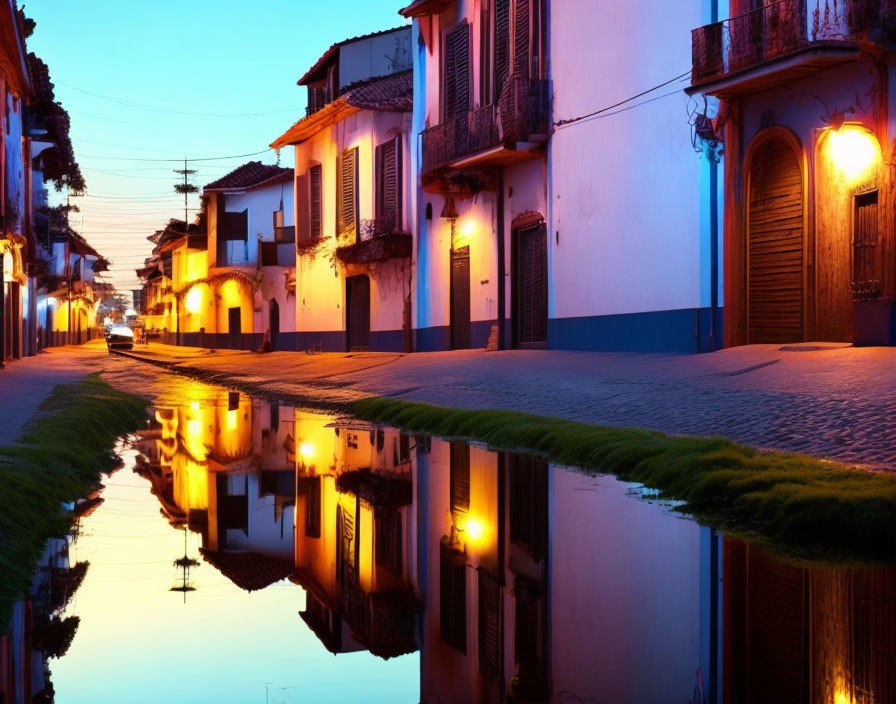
(835, 402)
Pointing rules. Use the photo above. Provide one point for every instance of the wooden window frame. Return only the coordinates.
(381, 211)
(344, 230)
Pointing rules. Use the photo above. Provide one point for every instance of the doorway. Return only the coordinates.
(775, 246)
(357, 312)
(234, 328)
(460, 298)
(529, 304)
(274, 322)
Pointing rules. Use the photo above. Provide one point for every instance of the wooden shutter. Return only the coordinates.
(866, 283)
(460, 478)
(489, 624)
(502, 44)
(775, 245)
(388, 202)
(315, 207)
(302, 210)
(452, 598)
(457, 72)
(521, 38)
(348, 191)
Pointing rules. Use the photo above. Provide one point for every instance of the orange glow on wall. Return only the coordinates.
(854, 151)
(193, 302)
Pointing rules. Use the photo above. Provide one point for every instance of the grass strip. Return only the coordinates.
(800, 506)
(65, 449)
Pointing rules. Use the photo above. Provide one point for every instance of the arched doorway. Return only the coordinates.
(775, 244)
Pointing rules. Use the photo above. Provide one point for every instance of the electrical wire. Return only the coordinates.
(572, 120)
(153, 108)
(616, 112)
(180, 161)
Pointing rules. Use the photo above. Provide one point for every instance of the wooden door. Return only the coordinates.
(274, 315)
(460, 298)
(234, 328)
(530, 303)
(775, 245)
(357, 312)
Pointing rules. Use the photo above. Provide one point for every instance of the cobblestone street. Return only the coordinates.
(831, 401)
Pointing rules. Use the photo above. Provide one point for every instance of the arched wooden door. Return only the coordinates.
(274, 322)
(775, 271)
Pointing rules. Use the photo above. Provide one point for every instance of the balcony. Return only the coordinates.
(379, 240)
(779, 43)
(493, 135)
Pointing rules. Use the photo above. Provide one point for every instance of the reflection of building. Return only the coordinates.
(225, 466)
(793, 634)
(806, 110)
(354, 498)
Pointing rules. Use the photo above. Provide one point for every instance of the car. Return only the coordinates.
(120, 337)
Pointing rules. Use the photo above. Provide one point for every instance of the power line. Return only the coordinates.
(561, 123)
(206, 158)
(153, 108)
(616, 112)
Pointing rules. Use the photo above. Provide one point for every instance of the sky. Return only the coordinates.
(156, 81)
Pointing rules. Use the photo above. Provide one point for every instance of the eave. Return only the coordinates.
(422, 8)
(309, 126)
(13, 57)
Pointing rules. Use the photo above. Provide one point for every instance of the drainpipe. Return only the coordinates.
(502, 343)
(2, 312)
(714, 227)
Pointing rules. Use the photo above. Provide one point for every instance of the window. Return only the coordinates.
(388, 540)
(314, 202)
(456, 82)
(502, 45)
(866, 284)
(460, 478)
(489, 624)
(312, 509)
(528, 503)
(452, 598)
(347, 214)
(388, 187)
(485, 53)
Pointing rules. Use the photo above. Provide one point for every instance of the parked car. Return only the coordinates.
(120, 337)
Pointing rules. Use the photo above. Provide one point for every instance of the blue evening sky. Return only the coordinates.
(169, 78)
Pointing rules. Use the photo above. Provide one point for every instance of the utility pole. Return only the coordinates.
(186, 188)
(68, 269)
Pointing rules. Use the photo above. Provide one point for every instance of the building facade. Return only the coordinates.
(482, 107)
(353, 186)
(807, 121)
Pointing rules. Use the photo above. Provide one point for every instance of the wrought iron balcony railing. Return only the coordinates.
(777, 29)
(522, 114)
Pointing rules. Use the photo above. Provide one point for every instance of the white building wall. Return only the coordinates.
(625, 222)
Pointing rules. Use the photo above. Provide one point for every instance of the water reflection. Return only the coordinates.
(513, 581)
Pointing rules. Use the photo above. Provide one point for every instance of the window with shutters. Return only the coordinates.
(866, 283)
(452, 598)
(502, 45)
(315, 202)
(388, 188)
(460, 478)
(489, 624)
(485, 53)
(456, 81)
(348, 194)
(312, 509)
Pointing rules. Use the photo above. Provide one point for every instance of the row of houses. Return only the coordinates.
(48, 291)
(492, 175)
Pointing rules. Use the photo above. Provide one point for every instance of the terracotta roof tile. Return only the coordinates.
(250, 175)
(249, 570)
(393, 93)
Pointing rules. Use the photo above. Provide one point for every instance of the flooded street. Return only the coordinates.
(244, 543)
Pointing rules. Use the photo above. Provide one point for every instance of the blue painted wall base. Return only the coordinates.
(687, 330)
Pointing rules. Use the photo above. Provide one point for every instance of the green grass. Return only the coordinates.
(799, 506)
(65, 449)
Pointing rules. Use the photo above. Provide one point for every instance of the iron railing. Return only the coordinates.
(778, 29)
(522, 113)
